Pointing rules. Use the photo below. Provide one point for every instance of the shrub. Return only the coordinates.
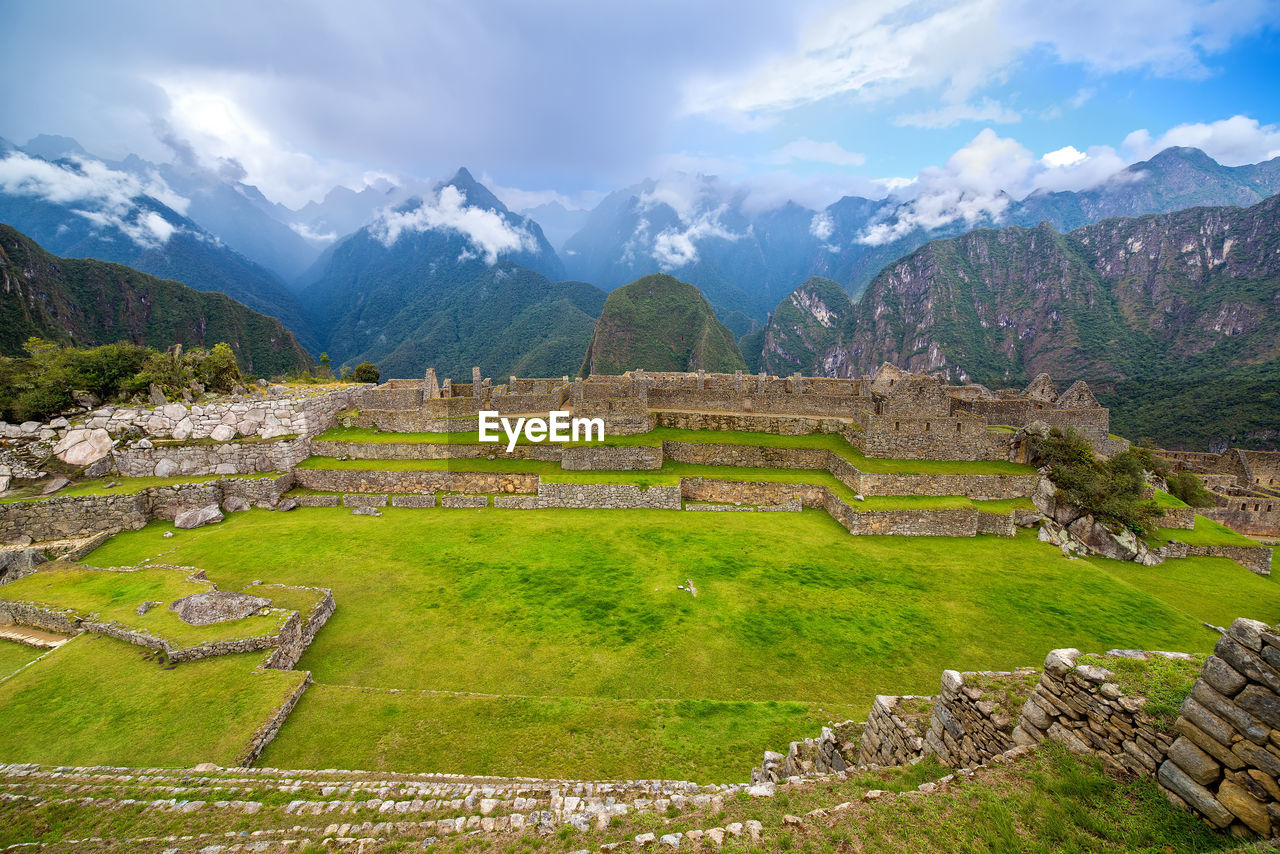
(1189, 489)
(1112, 491)
(218, 370)
(365, 372)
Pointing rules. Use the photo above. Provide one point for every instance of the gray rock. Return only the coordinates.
(54, 485)
(82, 447)
(286, 504)
(1059, 662)
(1200, 799)
(166, 468)
(1222, 676)
(197, 516)
(156, 396)
(168, 534)
(366, 511)
(223, 433)
(1249, 632)
(145, 607)
(236, 504)
(145, 444)
(216, 606)
(1197, 764)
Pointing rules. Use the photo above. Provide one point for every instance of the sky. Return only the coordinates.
(567, 100)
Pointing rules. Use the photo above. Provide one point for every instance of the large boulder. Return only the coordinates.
(83, 447)
(214, 606)
(166, 468)
(223, 433)
(198, 516)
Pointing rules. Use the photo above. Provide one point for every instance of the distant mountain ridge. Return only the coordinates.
(748, 262)
(87, 302)
(1173, 318)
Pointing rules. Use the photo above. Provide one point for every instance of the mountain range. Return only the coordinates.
(410, 274)
(86, 302)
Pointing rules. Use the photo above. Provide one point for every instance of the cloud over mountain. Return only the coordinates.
(104, 196)
(487, 231)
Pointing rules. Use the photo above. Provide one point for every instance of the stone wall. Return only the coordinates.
(781, 425)
(302, 413)
(1225, 762)
(81, 516)
(607, 458)
(748, 456)
(1253, 558)
(354, 480)
(608, 496)
(751, 493)
(1252, 516)
(267, 732)
(895, 730)
(976, 486)
(832, 752)
(1183, 518)
(431, 451)
(1078, 704)
(145, 459)
(975, 715)
(960, 437)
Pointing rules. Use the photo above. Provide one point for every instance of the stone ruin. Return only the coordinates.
(216, 606)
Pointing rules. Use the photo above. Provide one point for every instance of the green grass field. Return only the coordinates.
(1206, 533)
(14, 655)
(100, 701)
(115, 597)
(556, 641)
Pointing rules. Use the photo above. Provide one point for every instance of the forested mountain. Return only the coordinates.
(87, 302)
(1174, 319)
(659, 323)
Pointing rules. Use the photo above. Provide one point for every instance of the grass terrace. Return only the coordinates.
(14, 655)
(114, 596)
(1206, 533)
(125, 485)
(96, 700)
(509, 641)
(827, 441)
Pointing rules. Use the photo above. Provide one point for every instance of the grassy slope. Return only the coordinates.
(13, 655)
(125, 485)
(115, 597)
(97, 700)
(520, 604)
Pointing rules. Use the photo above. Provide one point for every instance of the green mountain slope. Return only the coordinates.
(1174, 319)
(659, 323)
(508, 320)
(89, 302)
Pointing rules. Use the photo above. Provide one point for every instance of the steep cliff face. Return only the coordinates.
(807, 330)
(1170, 302)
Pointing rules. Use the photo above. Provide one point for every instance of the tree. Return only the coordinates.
(365, 372)
(219, 370)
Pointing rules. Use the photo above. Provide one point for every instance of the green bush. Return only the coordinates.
(1111, 491)
(1189, 489)
(365, 372)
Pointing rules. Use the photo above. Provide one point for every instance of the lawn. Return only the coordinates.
(100, 701)
(124, 485)
(1206, 533)
(572, 621)
(115, 596)
(13, 655)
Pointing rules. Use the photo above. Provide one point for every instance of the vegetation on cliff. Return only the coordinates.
(85, 302)
(1112, 491)
(660, 323)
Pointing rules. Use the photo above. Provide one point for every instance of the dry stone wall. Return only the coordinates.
(895, 730)
(302, 413)
(608, 496)
(354, 480)
(271, 727)
(1078, 704)
(603, 457)
(147, 459)
(975, 715)
(431, 451)
(1252, 516)
(1225, 763)
(82, 516)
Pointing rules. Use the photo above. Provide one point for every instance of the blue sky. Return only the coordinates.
(568, 99)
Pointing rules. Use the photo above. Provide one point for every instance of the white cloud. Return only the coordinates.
(1068, 155)
(104, 196)
(806, 150)
(886, 48)
(677, 247)
(821, 226)
(307, 233)
(487, 231)
(986, 110)
(978, 183)
(207, 116)
(1232, 142)
(522, 200)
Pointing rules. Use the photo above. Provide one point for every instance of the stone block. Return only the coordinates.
(1197, 764)
(1245, 806)
(1222, 676)
(1197, 797)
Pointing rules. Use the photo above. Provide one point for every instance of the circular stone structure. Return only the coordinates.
(213, 606)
